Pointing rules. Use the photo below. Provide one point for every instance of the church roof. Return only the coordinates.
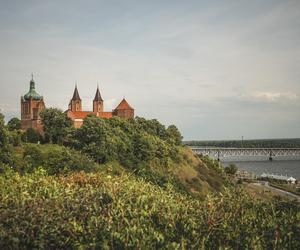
(123, 105)
(32, 93)
(76, 96)
(83, 114)
(98, 96)
(79, 114)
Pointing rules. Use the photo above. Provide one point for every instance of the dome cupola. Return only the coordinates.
(32, 93)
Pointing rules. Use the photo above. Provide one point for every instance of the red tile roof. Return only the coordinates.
(105, 115)
(83, 114)
(123, 105)
(78, 114)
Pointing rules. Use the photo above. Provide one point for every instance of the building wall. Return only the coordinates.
(30, 115)
(78, 123)
(124, 113)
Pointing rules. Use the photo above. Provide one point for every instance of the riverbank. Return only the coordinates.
(268, 189)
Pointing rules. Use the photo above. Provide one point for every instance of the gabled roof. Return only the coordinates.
(98, 96)
(76, 96)
(123, 105)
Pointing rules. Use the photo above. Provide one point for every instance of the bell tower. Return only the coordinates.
(98, 102)
(32, 104)
(75, 103)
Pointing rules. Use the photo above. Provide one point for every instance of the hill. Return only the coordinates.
(115, 184)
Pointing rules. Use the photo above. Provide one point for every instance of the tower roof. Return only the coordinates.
(76, 96)
(123, 105)
(32, 93)
(98, 95)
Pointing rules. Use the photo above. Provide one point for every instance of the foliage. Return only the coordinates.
(53, 158)
(15, 137)
(14, 124)
(4, 142)
(32, 136)
(174, 135)
(231, 169)
(56, 125)
(119, 212)
(131, 142)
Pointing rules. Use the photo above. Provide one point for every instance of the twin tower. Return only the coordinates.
(75, 103)
(75, 113)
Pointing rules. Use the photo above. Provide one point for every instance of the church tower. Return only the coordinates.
(98, 102)
(32, 104)
(75, 103)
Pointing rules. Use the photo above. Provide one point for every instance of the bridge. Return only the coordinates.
(219, 152)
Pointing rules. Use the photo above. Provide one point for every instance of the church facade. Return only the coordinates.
(76, 114)
(32, 104)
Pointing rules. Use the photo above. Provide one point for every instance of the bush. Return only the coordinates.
(14, 124)
(120, 212)
(53, 159)
(231, 169)
(32, 136)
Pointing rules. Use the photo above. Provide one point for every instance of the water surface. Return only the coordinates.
(289, 166)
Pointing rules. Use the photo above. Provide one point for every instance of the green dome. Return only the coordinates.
(32, 93)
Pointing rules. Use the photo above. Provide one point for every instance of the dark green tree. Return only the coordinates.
(32, 136)
(174, 135)
(14, 124)
(95, 138)
(56, 125)
(231, 169)
(4, 142)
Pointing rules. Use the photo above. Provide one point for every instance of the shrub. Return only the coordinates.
(231, 169)
(120, 212)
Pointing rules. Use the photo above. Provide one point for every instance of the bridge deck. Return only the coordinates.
(223, 152)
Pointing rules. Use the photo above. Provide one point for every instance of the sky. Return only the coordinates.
(215, 69)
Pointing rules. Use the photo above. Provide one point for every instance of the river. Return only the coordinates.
(289, 166)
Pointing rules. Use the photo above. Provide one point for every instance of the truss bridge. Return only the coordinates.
(227, 152)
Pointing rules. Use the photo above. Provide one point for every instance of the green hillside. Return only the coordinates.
(127, 184)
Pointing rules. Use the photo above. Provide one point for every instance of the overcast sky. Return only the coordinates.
(216, 69)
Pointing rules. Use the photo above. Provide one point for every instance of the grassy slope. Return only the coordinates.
(190, 172)
(115, 208)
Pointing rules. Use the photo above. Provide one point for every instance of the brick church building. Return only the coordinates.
(32, 104)
(75, 113)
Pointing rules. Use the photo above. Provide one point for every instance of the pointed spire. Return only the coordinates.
(32, 83)
(76, 96)
(98, 95)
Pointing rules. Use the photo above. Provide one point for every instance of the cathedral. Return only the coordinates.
(32, 104)
(75, 113)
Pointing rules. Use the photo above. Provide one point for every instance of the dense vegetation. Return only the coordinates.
(126, 184)
(263, 143)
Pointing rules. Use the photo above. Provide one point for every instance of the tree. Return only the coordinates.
(14, 124)
(174, 135)
(32, 136)
(231, 169)
(4, 142)
(56, 125)
(95, 138)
